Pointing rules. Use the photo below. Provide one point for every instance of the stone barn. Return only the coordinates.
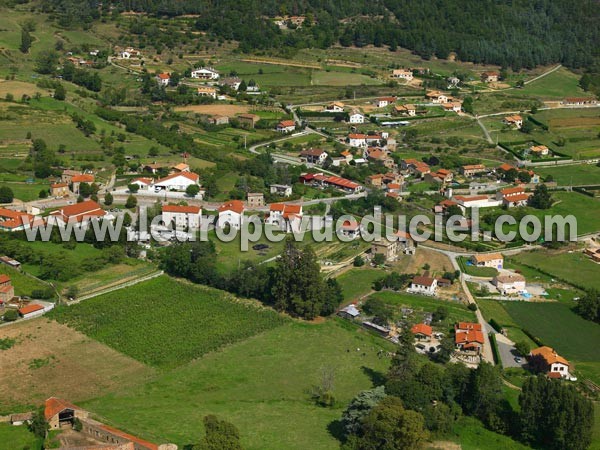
(59, 413)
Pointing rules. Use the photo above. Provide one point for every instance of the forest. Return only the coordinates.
(511, 33)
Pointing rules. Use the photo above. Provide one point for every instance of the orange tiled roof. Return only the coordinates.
(549, 355)
(233, 205)
(421, 328)
(55, 405)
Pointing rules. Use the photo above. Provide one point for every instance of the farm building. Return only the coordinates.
(30, 311)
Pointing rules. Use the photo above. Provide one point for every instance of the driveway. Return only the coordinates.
(508, 353)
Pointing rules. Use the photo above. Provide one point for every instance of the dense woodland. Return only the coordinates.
(511, 33)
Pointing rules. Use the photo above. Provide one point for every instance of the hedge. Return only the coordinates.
(495, 351)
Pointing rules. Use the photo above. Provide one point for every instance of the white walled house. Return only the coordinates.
(402, 74)
(232, 214)
(509, 284)
(357, 140)
(356, 117)
(182, 216)
(423, 285)
(551, 362)
(163, 79)
(286, 217)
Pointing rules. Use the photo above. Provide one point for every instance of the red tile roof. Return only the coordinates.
(423, 281)
(286, 123)
(549, 355)
(421, 328)
(55, 405)
(512, 190)
(4, 278)
(58, 185)
(84, 178)
(357, 136)
(233, 205)
(189, 175)
(130, 437)
(181, 209)
(79, 210)
(466, 337)
(30, 308)
(467, 326)
(164, 76)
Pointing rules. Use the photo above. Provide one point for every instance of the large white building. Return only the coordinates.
(232, 214)
(178, 181)
(182, 216)
(205, 73)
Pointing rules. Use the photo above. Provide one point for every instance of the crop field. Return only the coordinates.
(112, 275)
(493, 309)
(197, 320)
(218, 108)
(575, 268)
(331, 78)
(68, 364)
(261, 385)
(561, 328)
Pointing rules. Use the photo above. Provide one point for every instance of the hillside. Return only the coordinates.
(510, 33)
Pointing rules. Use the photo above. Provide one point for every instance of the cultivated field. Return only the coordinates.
(218, 109)
(50, 359)
(196, 319)
(561, 328)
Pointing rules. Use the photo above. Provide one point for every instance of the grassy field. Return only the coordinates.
(572, 175)
(476, 271)
(557, 85)
(260, 384)
(471, 435)
(196, 319)
(573, 267)
(358, 281)
(23, 284)
(17, 438)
